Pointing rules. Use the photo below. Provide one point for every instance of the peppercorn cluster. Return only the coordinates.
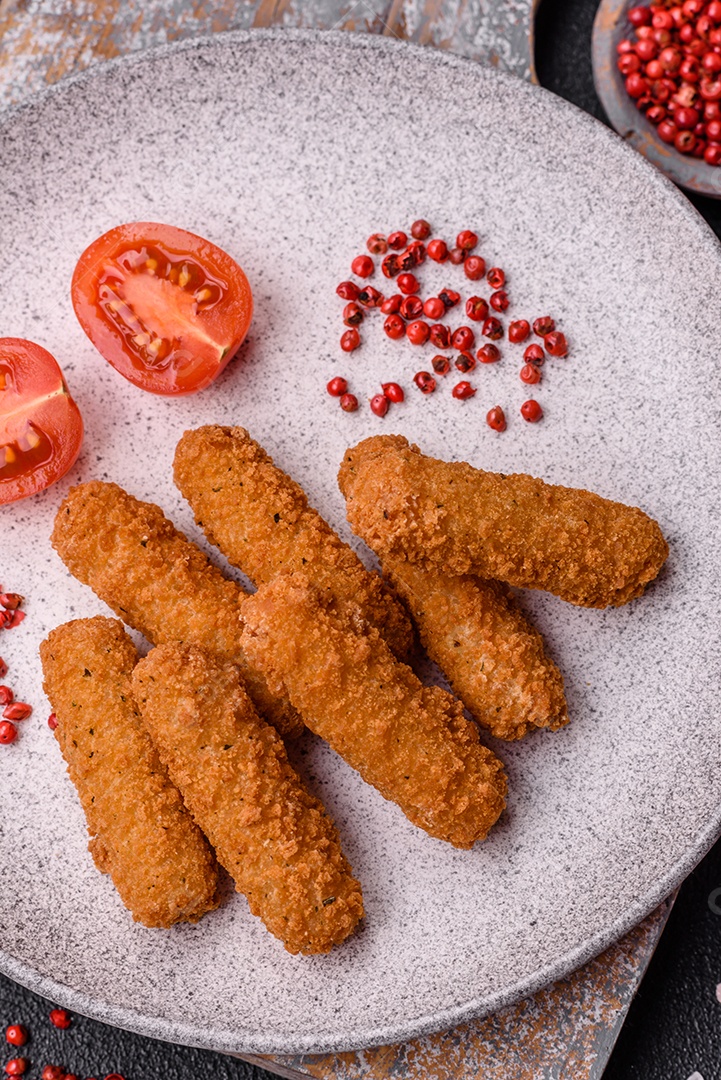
(12, 710)
(409, 317)
(671, 63)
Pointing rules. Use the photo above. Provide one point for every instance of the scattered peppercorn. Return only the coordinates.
(377, 244)
(52, 721)
(534, 354)
(363, 266)
(10, 600)
(530, 374)
(499, 300)
(379, 404)
(465, 362)
(556, 344)
(16, 1066)
(474, 267)
(408, 284)
(518, 331)
(8, 732)
(397, 240)
(6, 695)
(394, 327)
(492, 328)
(543, 326)
(477, 308)
(457, 256)
(531, 411)
(425, 382)
(441, 365)
(336, 387)
(440, 336)
(370, 297)
(17, 710)
(393, 392)
(488, 354)
(60, 1018)
(418, 332)
(350, 340)
(352, 314)
(411, 307)
(16, 1035)
(391, 305)
(463, 338)
(496, 418)
(420, 229)
(434, 308)
(348, 403)
(437, 250)
(348, 290)
(463, 390)
(466, 240)
(449, 297)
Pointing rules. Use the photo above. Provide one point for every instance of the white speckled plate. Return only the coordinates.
(288, 149)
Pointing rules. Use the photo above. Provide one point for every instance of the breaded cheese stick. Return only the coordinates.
(141, 834)
(492, 656)
(411, 742)
(450, 516)
(157, 581)
(270, 834)
(261, 521)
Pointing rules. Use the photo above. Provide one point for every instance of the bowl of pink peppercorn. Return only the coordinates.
(657, 70)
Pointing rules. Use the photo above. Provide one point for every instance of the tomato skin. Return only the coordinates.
(126, 309)
(39, 421)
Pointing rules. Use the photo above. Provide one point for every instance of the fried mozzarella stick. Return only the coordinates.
(157, 581)
(272, 836)
(141, 834)
(411, 742)
(449, 516)
(261, 521)
(492, 656)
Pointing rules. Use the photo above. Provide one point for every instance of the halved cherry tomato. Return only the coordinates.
(41, 429)
(166, 308)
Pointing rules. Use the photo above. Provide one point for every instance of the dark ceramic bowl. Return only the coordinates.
(609, 28)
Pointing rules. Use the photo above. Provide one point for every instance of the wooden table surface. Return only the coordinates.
(568, 1029)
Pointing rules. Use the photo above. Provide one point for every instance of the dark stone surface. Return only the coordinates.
(674, 1027)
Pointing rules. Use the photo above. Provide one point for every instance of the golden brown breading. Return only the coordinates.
(411, 742)
(261, 521)
(157, 581)
(493, 658)
(450, 516)
(141, 834)
(269, 833)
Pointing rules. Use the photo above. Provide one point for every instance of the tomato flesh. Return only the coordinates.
(166, 308)
(41, 430)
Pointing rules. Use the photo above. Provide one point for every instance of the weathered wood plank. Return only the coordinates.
(566, 1030)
